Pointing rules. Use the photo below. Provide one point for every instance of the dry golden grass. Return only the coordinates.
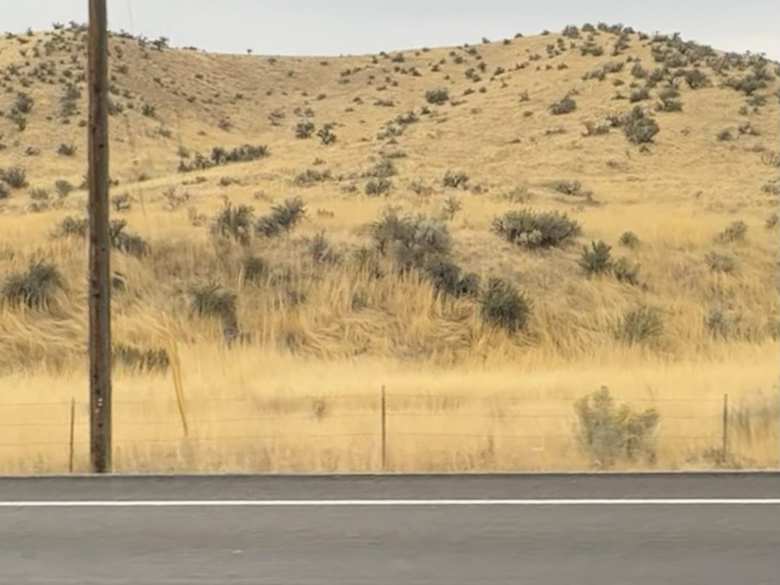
(249, 411)
(301, 392)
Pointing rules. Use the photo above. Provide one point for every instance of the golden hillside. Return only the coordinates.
(667, 151)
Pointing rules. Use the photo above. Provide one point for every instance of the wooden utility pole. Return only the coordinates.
(99, 245)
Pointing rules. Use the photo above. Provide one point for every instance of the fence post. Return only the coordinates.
(72, 434)
(725, 446)
(383, 422)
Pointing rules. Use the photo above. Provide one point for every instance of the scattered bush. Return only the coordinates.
(640, 325)
(212, 300)
(312, 176)
(735, 232)
(596, 259)
(695, 78)
(411, 240)
(503, 306)
(72, 226)
(220, 156)
(572, 189)
(725, 135)
(383, 169)
(282, 219)
(639, 95)
(376, 187)
(66, 150)
(23, 103)
(456, 180)
(609, 433)
(629, 240)
(39, 194)
(254, 269)
(326, 135)
(565, 106)
(14, 177)
(234, 223)
(640, 128)
(304, 129)
(34, 288)
(437, 96)
(448, 278)
(531, 229)
(128, 243)
(63, 188)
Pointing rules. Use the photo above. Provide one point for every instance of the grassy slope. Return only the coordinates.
(677, 195)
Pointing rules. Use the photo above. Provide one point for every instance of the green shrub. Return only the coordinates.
(411, 240)
(531, 229)
(212, 300)
(596, 259)
(312, 176)
(609, 433)
(63, 188)
(503, 306)
(383, 169)
(571, 32)
(304, 129)
(695, 78)
(437, 96)
(376, 187)
(629, 240)
(448, 278)
(725, 135)
(234, 223)
(565, 106)
(282, 219)
(735, 232)
(128, 243)
(572, 189)
(221, 156)
(640, 325)
(638, 71)
(66, 150)
(34, 288)
(456, 180)
(669, 105)
(639, 128)
(326, 135)
(14, 177)
(639, 95)
(72, 226)
(254, 269)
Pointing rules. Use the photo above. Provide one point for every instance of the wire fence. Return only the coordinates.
(389, 431)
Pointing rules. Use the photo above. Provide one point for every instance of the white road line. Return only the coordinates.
(386, 503)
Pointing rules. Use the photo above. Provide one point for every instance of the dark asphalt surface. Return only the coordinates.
(662, 544)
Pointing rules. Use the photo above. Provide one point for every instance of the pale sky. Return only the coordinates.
(332, 27)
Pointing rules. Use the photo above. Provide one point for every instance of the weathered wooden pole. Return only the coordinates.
(99, 246)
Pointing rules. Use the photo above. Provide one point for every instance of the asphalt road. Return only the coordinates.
(621, 530)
